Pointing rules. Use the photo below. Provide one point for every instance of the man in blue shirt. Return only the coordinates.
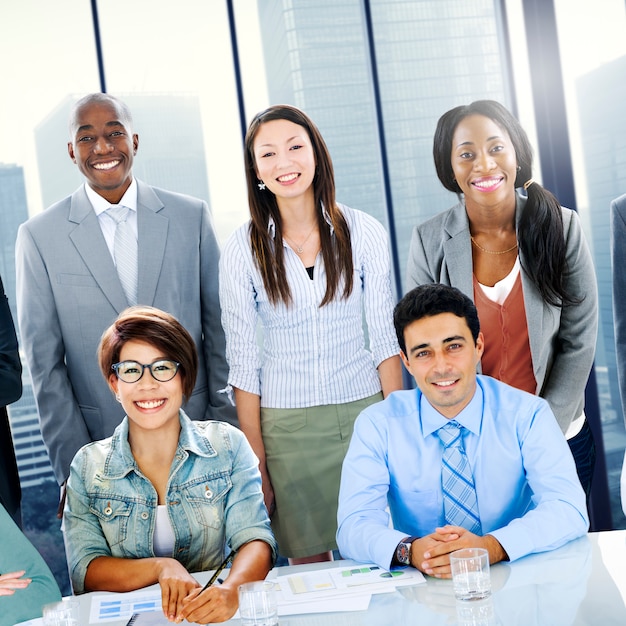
(528, 495)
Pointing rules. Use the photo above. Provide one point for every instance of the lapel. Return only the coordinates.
(152, 228)
(89, 242)
(458, 250)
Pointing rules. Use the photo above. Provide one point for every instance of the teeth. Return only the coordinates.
(150, 404)
(106, 166)
(487, 183)
(445, 383)
(287, 178)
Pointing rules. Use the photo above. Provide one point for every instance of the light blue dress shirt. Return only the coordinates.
(310, 355)
(529, 496)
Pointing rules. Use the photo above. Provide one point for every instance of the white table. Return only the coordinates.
(582, 583)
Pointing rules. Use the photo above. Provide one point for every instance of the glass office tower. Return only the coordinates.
(428, 56)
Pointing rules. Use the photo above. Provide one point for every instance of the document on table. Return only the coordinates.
(118, 606)
(342, 588)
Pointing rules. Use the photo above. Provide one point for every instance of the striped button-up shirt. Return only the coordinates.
(307, 355)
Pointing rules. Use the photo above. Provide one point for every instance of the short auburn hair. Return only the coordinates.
(157, 328)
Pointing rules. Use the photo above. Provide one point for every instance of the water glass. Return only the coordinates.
(470, 574)
(258, 604)
(63, 613)
(477, 613)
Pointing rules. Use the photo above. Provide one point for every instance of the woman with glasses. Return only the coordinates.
(164, 496)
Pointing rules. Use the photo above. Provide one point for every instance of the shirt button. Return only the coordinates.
(144, 515)
(108, 511)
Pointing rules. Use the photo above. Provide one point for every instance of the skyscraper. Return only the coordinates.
(428, 55)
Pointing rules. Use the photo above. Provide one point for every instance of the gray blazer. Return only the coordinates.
(68, 293)
(562, 340)
(618, 255)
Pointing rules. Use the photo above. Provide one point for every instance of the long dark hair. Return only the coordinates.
(540, 231)
(267, 252)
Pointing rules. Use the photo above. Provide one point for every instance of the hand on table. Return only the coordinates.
(12, 581)
(216, 604)
(434, 557)
(176, 584)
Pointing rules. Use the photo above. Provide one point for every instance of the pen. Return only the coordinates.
(219, 570)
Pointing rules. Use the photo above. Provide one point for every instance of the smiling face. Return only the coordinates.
(103, 147)
(441, 356)
(150, 405)
(484, 162)
(284, 159)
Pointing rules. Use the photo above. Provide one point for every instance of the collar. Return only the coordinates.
(100, 205)
(120, 460)
(470, 417)
(271, 224)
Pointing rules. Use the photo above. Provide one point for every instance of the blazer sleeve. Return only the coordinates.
(575, 342)
(62, 424)
(618, 255)
(418, 271)
(10, 364)
(214, 342)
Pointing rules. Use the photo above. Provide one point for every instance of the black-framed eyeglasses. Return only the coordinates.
(131, 371)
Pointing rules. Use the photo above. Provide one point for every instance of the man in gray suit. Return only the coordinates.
(68, 290)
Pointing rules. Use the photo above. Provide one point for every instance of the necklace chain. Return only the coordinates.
(299, 249)
(492, 251)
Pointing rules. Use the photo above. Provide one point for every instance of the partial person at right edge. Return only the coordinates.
(69, 290)
(522, 259)
(618, 257)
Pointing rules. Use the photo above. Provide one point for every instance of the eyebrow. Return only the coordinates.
(90, 126)
(268, 145)
(468, 143)
(447, 340)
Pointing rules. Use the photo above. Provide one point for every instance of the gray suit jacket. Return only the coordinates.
(68, 293)
(562, 340)
(618, 255)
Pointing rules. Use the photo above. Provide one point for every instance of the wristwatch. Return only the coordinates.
(403, 550)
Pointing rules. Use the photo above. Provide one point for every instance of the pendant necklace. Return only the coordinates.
(299, 249)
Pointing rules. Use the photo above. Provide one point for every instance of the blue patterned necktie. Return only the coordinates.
(459, 493)
(125, 251)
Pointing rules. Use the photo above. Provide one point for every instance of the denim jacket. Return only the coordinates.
(214, 500)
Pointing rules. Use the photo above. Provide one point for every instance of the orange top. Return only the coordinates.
(505, 329)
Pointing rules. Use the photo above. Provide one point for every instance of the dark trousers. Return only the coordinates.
(583, 450)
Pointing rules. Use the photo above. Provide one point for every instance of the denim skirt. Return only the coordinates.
(304, 450)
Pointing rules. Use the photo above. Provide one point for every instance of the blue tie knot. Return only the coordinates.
(450, 434)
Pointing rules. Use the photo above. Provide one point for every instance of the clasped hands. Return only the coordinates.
(431, 554)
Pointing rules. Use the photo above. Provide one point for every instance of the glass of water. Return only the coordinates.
(258, 604)
(470, 573)
(64, 613)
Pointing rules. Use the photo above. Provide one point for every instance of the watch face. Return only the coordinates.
(403, 553)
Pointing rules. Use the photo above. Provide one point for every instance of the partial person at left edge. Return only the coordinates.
(10, 391)
(69, 291)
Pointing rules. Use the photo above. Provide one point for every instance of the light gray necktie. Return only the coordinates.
(125, 251)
